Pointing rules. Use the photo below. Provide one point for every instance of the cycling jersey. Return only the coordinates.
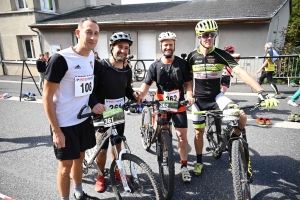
(110, 83)
(169, 79)
(207, 71)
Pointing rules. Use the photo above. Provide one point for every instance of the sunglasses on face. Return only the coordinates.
(207, 35)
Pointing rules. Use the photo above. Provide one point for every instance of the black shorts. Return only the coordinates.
(225, 81)
(201, 105)
(180, 119)
(79, 138)
(120, 128)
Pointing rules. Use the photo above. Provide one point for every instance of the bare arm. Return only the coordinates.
(263, 65)
(189, 92)
(144, 90)
(48, 92)
(248, 79)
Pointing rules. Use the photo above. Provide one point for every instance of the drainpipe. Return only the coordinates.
(39, 37)
(1, 60)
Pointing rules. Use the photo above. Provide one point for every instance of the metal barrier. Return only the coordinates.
(290, 66)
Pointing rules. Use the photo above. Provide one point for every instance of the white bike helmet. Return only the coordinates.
(120, 37)
(206, 26)
(167, 36)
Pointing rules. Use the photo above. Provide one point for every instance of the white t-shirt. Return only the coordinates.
(74, 73)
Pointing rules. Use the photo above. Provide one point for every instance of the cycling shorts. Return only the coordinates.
(180, 119)
(201, 104)
(79, 138)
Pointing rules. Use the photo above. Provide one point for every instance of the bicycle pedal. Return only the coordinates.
(208, 149)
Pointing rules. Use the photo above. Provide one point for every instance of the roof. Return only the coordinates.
(171, 12)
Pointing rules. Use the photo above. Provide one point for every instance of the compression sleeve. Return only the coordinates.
(93, 97)
(129, 91)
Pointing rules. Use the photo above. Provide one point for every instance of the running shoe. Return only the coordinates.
(198, 169)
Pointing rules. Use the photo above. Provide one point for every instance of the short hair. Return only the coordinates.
(183, 55)
(46, 53)
(269, 45)
(86, 19)
(41, 54)
(58, 49)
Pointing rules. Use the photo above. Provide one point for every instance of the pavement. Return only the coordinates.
(28, 166)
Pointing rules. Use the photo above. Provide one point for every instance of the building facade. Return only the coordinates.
(245, 24)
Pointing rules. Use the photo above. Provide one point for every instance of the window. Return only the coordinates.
(28, 48)
(47, 5)
(21, 4)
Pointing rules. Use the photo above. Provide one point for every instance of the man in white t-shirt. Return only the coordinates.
(68, 85)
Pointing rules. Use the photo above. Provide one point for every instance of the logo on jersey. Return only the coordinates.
(77, 67)
(198, 61)
(211, 60)
(91, 63)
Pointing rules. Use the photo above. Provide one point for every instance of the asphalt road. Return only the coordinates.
(28, 166)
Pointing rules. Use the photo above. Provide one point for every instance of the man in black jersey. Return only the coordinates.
(112, 83)
(206, 64)
(67, 71)
(170, 73)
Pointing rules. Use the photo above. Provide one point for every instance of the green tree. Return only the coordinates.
(292, 38)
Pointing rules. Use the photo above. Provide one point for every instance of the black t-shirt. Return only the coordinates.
(110, 83)
(41, 65)
(165, 77)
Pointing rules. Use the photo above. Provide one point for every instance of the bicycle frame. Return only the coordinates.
(111, 134)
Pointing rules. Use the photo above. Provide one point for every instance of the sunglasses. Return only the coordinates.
(207, 35)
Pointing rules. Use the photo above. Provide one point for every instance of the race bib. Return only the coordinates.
(84, 85)
(168, 105)
(171, 96)
(113, 103)
(113, 117)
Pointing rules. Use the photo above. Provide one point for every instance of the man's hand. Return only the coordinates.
(98, 108)
(269, 101)
(191, 100)
(59, 139)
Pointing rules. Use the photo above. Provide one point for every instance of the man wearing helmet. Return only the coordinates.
(170, 74)
(206, 64)
(112, 84)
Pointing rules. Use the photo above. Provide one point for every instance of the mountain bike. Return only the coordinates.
(139, 69)
(142, 183)
(220, 140)
(156, 128)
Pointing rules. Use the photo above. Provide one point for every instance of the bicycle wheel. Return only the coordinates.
(214, 137)
(146, 187)
(146, 129)
(241, 186)
(139, 70)
(166, 164)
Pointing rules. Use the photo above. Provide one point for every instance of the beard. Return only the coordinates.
(168, 55)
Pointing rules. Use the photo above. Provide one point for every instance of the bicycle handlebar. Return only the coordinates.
(218, 112)
(156, 102)
(125, 106)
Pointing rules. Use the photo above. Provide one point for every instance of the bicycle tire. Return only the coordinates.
(146, 133)
(139, 71)
(215, 139)
(241, 186)
(147, 187)
(166, 165)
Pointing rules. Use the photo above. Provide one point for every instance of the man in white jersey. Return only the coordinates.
(68, 85)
